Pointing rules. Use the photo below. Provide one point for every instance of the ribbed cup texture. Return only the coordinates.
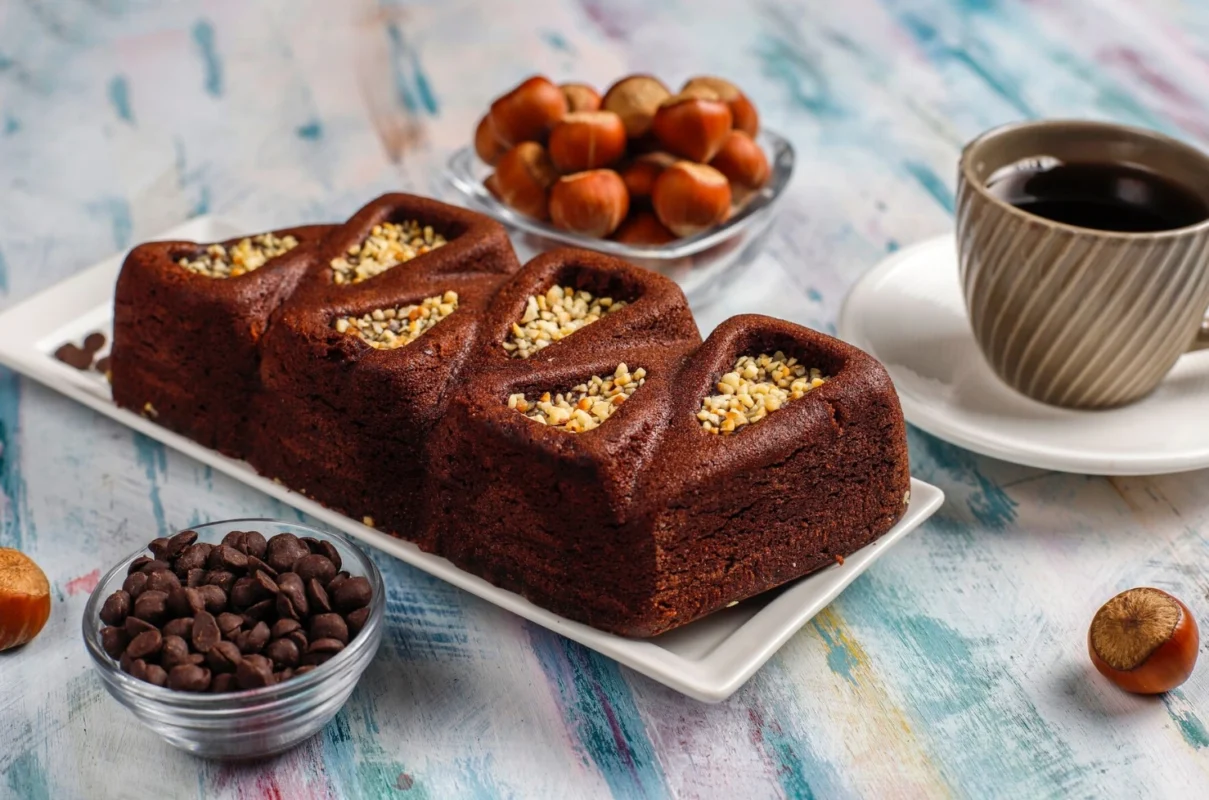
(1076, 317)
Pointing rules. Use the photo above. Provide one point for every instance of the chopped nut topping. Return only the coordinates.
(558, 313)
(388, 328)
(249, 254)
(757, 386)
(388, 245)
(586, 406)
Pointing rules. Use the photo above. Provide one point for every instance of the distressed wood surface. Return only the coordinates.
(955, 667)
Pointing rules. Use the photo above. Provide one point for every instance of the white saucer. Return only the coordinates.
(909, 314)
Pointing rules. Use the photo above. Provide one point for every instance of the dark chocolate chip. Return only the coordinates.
(314, 566)
(256, 565)
(196, 577)
(189, 678)
(116, 608)
(134, 626)
(224, 657)
(222, 578)
(146, 645)
(154, 565)
(102, 365)
(114, 640)
(254, 671)
(356, 620)
(328, 626)
(136, 668)
(352, 594)
(257, 612)
(298, 637)
(162, 580)
(196, 659)
(303, 670)
(254, 640)
(193, 557)
(157, 548)
(173, 651)
(333, 555)
(284, 626)
(316, 595)
(179, 542)
(229, 624)
(181, 626)
(255, 544)
(94, 341)
(291, 596)
(315, 659)
(186, 601)
(74, 356)
(227, 557)
(152, 606)
(335, 582)
(235, 539)
(245, 592)
(284, 675)
(156, 675)
(224, 683)
(283, 550)
(268, 586)
(205, 632)
(331, 646)
(284, 653)
(215, 597)
(134, 584)
(138, 564)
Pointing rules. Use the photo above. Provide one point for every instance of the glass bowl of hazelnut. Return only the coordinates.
(685, 184)
(237, 639)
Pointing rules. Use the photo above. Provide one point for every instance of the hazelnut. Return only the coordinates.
(1144, 640)
(692, 127)
(24, 599)
(745, 117)
(523, 177)
(635, 99)
(587, 140)
(592, 203)
(486, 146)
(742, 161)
(643, 228)
(640, 174)
(689, 198)
(581, 97)
(527, 113)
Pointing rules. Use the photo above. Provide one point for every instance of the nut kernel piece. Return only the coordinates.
(555, 315)
(388, 328)
(586, 406)
(754, 388)
(388, 245)
(247, 255)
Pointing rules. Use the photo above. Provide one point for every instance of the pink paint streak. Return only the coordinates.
(83, 584)
(1132, 60)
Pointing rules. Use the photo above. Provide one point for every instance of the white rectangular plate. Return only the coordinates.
(708, 659)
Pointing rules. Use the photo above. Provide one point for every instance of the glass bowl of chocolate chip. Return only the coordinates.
(237, 639)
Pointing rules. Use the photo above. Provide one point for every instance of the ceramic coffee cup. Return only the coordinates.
(1079, 316)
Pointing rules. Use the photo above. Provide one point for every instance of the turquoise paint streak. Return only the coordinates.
(119, 97)
(557, 41)
(16, 525)
(411, 83)
(1189, 724)
(26, 778)
(312, 131)
(11, 124)
(939, 462)
(154, 460)
(805, 81)
(117, 210)
(839, 658)
(599, 711)
(932, 183)
(203, 37)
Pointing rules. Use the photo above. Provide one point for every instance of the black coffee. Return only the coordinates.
(1107, 197)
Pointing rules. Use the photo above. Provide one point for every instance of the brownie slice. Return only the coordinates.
(186, 338)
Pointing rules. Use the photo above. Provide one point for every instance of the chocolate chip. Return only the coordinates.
(189, 678)
(255, 565)
(257, 612)
(138, 564)
(94, 341)
(283, 550)
(224, 657)
(227, 557)
(316, 595)
(102, 365)
(229, 624)
(152, 606)
(196, 577)
(173, 651)
(352, 594)
(124, 662)
(291, 596)
(223, 683)
(215, 598)
(154, 565)
(156, 675)
(328, 626)
(284, 626)
(254, 544)
(193, 557)
(205, 632)
(181, 626)
(314, 566)
(134, 626)
(162, 580)
(136, 668)
(186, 601)
(196, 659)
(335, 582)
(114, 640)
(283, 652)
(222, 578)
(235, 539)
(298, 637)
(179, 542)
(146, 645)
(268, 586)
(134, 584)
(254, 640)
(356, 620)
(254, 671)
(157, 548)
(303, 670)
(284, 675)
(115, 608)
(315, 659)
(331, 646)
(74, 356)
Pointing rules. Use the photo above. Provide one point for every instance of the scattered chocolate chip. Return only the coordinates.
(156, 675)
(254, 671)
(102, 365)
(328, 626)
(315, 566)
(116, 607)
(283, 550)
(205, 632)
(152, 606)
(189, 678)
(316, 595)
(174, 651)
(181, 626)
(74, 356)
(224, 657)
(162, 580)
(283, 652)
(352, 594)
(146, 645)
(356, 620)
(114, 640)
(94, 341)
(134, 584)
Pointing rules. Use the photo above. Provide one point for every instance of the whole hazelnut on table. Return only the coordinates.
(1144, 640)
(744, 113)
(24, 599)
(587, 140)
(742, 161)
(581, 97)
(643, 228)
(527, 113)
(635, 99)
(692, 127)
(486, 146)
(591, 203)
(523, 177)
(689, 198)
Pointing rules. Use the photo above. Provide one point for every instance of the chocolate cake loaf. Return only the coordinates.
(559, 430)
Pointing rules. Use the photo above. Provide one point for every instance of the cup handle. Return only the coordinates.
(1201, 342)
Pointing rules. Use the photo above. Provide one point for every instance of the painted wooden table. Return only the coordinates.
(957, 666)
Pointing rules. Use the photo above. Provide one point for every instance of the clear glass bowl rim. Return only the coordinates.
(238, 703)
(781, 159)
